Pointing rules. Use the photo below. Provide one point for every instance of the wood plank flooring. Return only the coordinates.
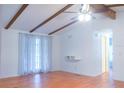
(59, 79)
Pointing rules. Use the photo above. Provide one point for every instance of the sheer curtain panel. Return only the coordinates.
(34, 53)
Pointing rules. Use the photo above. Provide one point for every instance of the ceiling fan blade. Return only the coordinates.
(70, 12)
(101, 8)
(76, 17)
(73, 18)
(92, 16)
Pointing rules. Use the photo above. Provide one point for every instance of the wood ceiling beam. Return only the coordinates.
(110, 13)
(57, 30)
(115, 5)
(23, 7)
(51, 17)
(101, 8)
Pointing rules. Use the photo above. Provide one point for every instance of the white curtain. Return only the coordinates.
(34, 54)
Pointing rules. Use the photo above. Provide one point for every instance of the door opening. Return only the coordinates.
(107, 51)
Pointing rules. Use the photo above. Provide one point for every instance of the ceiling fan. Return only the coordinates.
(86, 12)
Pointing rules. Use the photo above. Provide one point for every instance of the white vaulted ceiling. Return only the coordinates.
(7, 11)
(34, 14)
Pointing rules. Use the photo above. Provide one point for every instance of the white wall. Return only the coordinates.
(55, 54)
(80, 40)
(9, 54)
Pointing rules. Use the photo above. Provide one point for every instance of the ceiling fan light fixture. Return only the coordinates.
(84, 17)
(85, 8)
(85, 14)
(88, 17)
(81, 17)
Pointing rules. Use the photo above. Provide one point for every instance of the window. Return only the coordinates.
(37, 55)
(34, 53)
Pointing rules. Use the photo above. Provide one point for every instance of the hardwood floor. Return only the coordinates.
(60, 79)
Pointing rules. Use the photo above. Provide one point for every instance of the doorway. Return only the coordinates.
(107, 52)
